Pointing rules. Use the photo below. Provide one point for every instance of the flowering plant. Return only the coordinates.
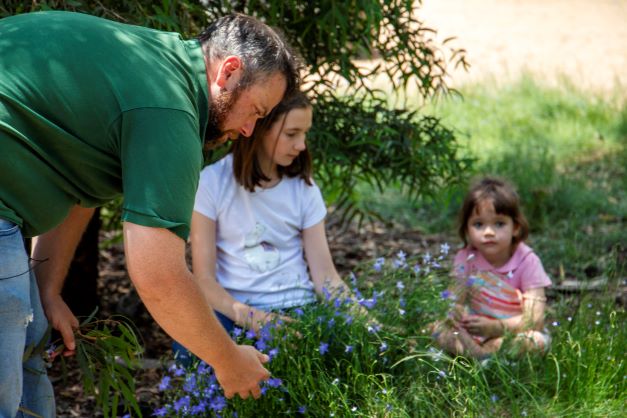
(339, 357)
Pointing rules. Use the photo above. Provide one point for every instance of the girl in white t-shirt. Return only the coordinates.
(258, 238)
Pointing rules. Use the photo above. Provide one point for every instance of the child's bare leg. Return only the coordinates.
(473, 348)
(529, 341)
(445, 338)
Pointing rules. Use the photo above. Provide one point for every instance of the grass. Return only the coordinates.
(565, 150)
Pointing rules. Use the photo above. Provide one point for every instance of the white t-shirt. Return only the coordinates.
(260, 258)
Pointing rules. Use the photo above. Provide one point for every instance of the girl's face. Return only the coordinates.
(286, 138)
(491, 233)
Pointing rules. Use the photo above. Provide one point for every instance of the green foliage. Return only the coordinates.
(106, 352)
(355, 141)
(391, 370)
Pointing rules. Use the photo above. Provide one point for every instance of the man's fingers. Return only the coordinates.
(264, 358)
(67, 333)
(256, 392)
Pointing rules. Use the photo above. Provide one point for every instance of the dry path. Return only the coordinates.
(582, 39)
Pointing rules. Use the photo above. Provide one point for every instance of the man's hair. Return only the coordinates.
(505, 200)
(262, 49)
(246, 168)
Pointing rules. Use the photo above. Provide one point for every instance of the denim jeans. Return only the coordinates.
(22, 324)
(186, 358)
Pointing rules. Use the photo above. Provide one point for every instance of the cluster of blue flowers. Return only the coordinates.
(342, 326)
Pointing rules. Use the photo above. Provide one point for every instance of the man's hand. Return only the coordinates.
(257, 318)
(62, 319)
(244, 372)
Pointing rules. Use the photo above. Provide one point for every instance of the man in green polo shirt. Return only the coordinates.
(91, 109)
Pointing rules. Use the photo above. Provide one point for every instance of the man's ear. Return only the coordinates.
(229, 72)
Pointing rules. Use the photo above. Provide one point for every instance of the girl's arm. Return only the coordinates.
(204, 258)
(321, 267)
(532, 318)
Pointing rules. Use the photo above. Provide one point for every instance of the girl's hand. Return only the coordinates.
(480, 325)
(257, 319)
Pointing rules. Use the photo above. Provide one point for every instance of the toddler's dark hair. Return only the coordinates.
(505, 200)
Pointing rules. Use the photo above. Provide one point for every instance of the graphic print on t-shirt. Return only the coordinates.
(261, 256)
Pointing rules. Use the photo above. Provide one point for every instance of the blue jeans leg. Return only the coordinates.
(22, 323)
(185, 357)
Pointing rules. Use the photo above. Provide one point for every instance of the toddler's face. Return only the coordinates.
(491, 233)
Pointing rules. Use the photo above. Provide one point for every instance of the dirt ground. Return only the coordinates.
(583, 40)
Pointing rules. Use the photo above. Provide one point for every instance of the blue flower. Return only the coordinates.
(494, 398)
(302, 409)
(400, 285)
(161, 412)
(190, 383)
(200, 408)
(445, 294)
(182, 405)
(261, 345)
(417, 268)
(378, 264)
(444, 248)
(331, 323)
(353, 279)
(165, 383)
(402, 303)
(327, 294)
(274, 382)
(299, 312)
(348, 349)
(237, 331)
(368, 303)
(383, 347)
(250, 334)
(273, 353)
(324, 347)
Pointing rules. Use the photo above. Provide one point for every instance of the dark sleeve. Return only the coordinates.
(161, 161)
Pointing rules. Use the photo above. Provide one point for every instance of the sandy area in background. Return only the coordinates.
(583, 40)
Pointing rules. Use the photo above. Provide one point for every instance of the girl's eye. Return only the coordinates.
(476, 224)
(500, 224)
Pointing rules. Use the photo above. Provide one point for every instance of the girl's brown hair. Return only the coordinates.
(246, 167)
(505, 200)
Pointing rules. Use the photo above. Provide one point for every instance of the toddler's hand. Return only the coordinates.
(480, 325)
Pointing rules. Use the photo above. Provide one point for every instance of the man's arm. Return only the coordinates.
(155, 259)
(57, 247)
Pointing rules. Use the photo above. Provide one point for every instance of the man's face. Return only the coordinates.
(235, 112)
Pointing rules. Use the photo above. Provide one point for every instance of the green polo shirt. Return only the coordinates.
(91, 109)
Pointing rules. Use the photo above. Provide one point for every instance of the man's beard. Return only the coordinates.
(219, 108)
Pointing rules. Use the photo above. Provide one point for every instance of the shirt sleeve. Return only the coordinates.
(532, 274)
(205, 196)
(459, 265)
(314, 209)
(161, 157)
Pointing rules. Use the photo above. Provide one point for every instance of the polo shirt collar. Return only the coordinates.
(197, 59)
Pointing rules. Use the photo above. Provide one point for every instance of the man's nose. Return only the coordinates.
(248, 128)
